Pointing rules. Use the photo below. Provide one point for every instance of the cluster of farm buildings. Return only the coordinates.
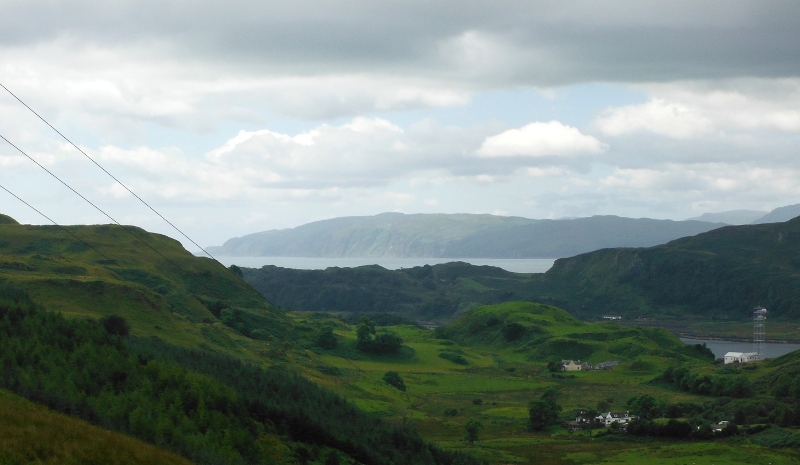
(586, 420)
(576, 365)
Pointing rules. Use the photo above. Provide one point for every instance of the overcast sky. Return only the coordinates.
(237, 117)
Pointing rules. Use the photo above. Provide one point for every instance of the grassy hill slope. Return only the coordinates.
(198, 363)
(170, 293)
(437, 293)
(549, 333)
(30, 433)
(456, 236)
(720, 274)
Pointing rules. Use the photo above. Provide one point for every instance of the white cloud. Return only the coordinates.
(692, 109)
(541, 140)
(657, 116)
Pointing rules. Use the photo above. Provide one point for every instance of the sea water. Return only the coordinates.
(721, 347)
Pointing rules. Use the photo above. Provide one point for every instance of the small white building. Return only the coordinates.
(571, 365)
(608, 418)
(721, 425)
(741, 357)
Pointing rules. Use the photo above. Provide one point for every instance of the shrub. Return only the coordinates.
(455, 358)
(513, 331)
(115, 325)
(326, 339)
(393, 378)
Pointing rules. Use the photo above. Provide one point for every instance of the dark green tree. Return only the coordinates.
(472, 428)
(365, 330)
(326, 339)
(544, 411)
(385, 342)
(553, 366)
(643, 406)
(393, 378)
(115, 325)
(513, 331)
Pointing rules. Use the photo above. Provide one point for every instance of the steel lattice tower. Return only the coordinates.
(759, 339)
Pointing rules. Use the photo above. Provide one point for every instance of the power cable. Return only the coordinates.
(126, 229)
(108, 173)
(51, 220)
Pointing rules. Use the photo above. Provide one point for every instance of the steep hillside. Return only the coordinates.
(31, 433)
(720, 274)
(160, 288)
(459, 236)
(176, 351)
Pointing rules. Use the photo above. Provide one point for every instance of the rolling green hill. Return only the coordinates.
(436, 293)
(717, 276)
(169, 293)
(721, 274)
(31, 433)
(549, 333)
(458, 236)
(192, 374)
(175, 350)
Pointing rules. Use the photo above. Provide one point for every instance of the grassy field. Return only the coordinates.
(502, 377)
(31, 434)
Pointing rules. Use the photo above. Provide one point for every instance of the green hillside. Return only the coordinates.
(704, 284)
(435, 293)
(489, 364)
(458, 236)
(186, 368)
(166, 292)
(30, 433)
(5, 219)
(716, 275)
(549, 333)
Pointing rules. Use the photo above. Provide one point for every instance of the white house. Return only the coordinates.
(575, 365)
(608, 418)
(740, 357)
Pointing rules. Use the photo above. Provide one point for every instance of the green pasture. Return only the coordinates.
(502, 377)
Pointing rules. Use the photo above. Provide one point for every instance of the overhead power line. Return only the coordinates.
(106, 172)
(125, 228)
(52, 221)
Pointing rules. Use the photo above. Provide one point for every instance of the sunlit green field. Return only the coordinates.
(497, 385)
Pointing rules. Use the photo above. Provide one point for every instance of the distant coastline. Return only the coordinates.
(514, 265)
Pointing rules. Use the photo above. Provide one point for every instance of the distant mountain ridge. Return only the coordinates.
(459, 236)
(779, 215)
(733, 217)
(741, 217)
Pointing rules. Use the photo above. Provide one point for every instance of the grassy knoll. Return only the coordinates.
(170, 294)
(30, 433)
